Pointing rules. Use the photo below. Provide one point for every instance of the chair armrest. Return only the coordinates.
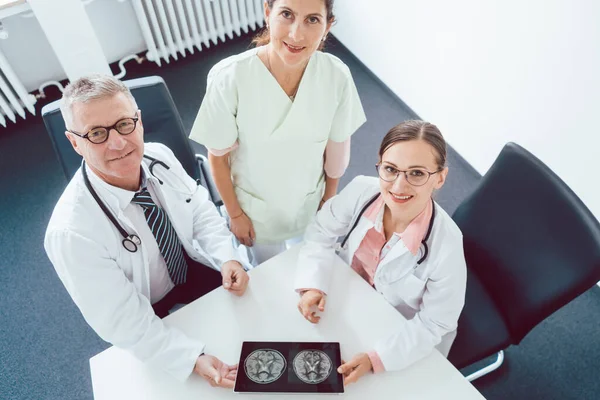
(206, 180)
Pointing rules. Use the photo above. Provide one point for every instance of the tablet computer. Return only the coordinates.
(289, 367)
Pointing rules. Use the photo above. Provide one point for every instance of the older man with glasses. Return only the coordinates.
(130, 243)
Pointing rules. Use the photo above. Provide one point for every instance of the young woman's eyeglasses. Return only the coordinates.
(100, 134)
(414, 176)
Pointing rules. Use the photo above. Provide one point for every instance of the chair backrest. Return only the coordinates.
(531, 241)
(482, 330)
(162, 123)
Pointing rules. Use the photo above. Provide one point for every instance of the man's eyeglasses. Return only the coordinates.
(100, 134)
(414, 176)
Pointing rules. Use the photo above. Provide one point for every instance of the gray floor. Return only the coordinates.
(46, 344)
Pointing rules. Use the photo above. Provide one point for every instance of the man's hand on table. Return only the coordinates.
(235, 278)
(215, 371)
(310, 299)
(355, 368)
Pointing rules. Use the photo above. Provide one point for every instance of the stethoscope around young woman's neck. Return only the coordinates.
(423, 242)
(130, 241)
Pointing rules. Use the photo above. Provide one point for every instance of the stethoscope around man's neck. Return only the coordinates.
(424, 241)
(130, 241)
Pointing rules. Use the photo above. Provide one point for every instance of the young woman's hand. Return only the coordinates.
(310, 299)
(241, 226)
(355, 368)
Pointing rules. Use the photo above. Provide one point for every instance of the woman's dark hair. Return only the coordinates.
(416, 130)
(263, 37)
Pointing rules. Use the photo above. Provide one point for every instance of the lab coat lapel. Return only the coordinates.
(106, 196)
(357, 237)
(391, 269)
(111, 201)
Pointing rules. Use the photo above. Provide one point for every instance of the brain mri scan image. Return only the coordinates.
(289, 367)
(264, 366)
(312, 366)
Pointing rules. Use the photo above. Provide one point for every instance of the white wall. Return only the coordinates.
(489, 72)
(72, 37)
(486, 72)
(34, 61)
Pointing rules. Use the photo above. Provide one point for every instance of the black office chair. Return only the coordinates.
(161, 124)
(531, 247)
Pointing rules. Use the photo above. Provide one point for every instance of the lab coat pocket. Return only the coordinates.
(409, 290)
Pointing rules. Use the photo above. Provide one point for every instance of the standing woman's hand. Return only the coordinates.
(239, 223)
(241, 226)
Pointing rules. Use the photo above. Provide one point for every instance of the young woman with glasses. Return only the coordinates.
(400, 241)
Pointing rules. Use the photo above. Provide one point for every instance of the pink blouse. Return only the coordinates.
(337, 157)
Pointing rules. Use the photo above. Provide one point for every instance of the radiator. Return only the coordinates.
(14, 99)
(170, 27)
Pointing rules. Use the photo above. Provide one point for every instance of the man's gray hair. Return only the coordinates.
(89, 88)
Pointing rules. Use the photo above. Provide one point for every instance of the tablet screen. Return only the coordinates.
(289, 367)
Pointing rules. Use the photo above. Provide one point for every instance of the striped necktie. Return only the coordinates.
(168, 243)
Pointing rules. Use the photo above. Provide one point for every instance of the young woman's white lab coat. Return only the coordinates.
(109, 284)
(431, 295)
